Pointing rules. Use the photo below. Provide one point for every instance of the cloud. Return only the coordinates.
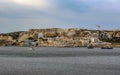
(72, 5)
(30, 3)
(102, 6)
(58, 13)
(35, 3)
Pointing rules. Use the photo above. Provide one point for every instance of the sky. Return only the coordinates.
(21, 15)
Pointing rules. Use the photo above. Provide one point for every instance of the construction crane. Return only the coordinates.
(98, 26)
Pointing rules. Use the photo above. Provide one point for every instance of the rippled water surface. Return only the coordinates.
(59, 61)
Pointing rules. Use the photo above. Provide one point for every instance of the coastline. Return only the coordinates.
(114, 46)
(56, 52)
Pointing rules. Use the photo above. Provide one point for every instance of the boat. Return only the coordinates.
(90, 47)
(30, 48)
(106, 47)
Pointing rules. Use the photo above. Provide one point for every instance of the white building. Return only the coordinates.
(40, 35)
(71, 33)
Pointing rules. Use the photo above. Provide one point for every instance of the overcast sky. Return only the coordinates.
(18, 15)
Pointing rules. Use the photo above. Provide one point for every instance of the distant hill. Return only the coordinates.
(59, 36)
(15, 35)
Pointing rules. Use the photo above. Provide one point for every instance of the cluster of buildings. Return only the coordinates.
(58, 37)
